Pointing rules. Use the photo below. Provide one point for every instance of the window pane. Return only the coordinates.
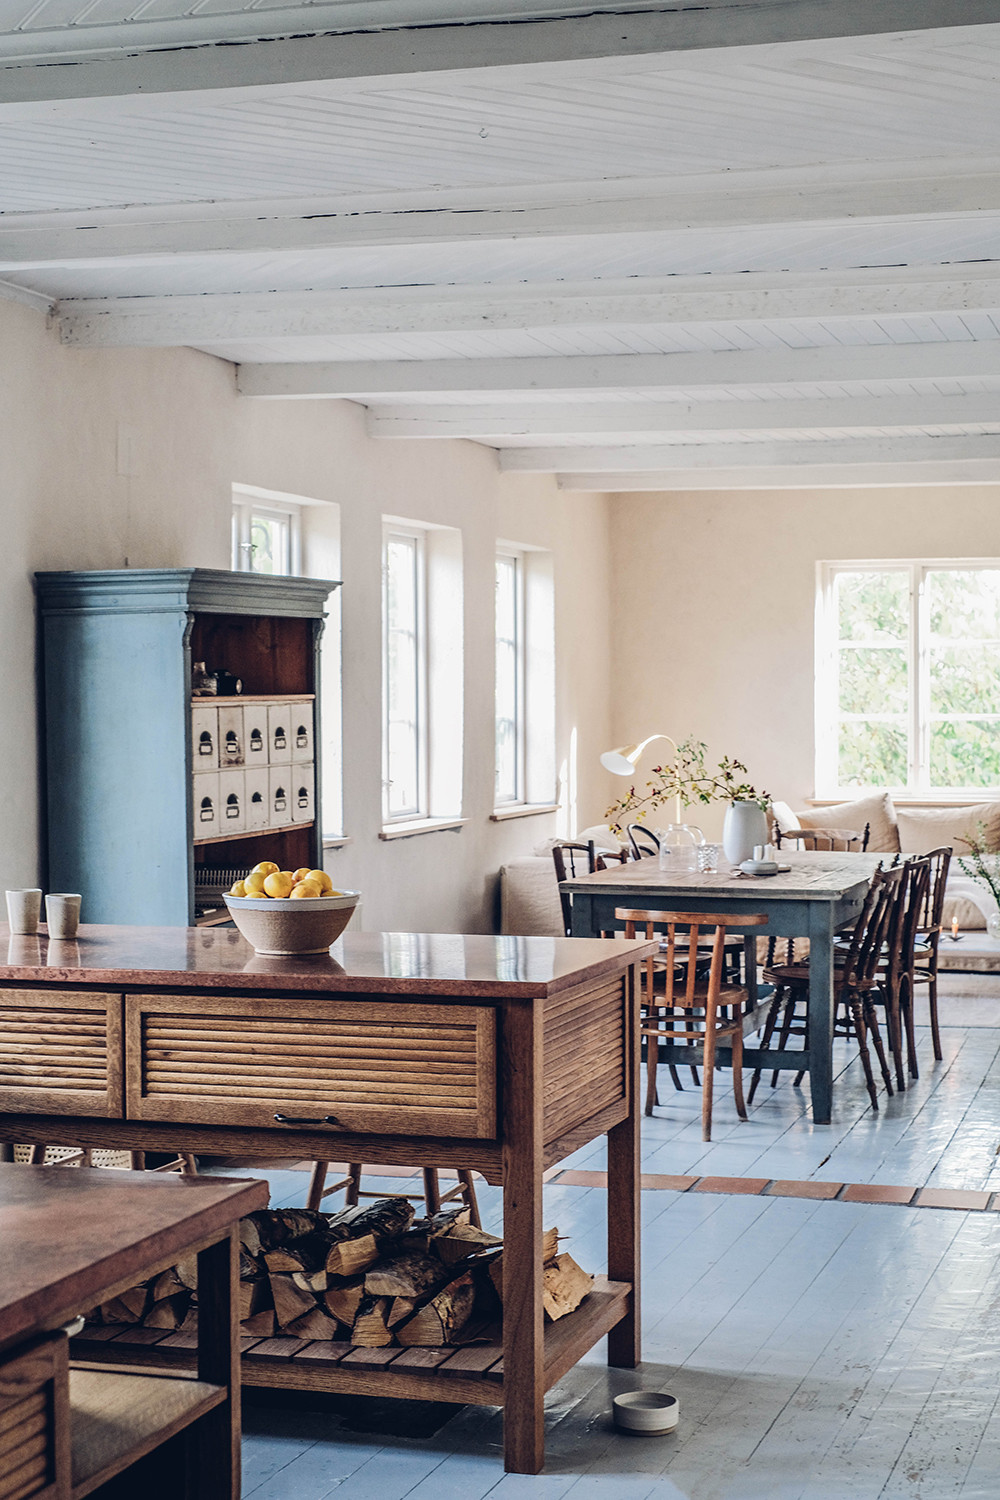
(269, 544)
(965, 679)
(964, 603)
(965, 752)
(402, 677)
(874, 680)
(873, 606)
(872, 753)
(508, 668)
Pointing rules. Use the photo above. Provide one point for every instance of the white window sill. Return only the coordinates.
(522, 810)
(957, 799)
(420, 825)
(336, 841)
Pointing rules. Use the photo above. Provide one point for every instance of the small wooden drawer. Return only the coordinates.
(60, 1054)
(232, 801)
(231, 734)
(205, 738)
(301, 728)
(303, 786)
(279, 796)
(255, 734)
(205, 805)
(34, 1421)
(279, 726)
(359, 1065)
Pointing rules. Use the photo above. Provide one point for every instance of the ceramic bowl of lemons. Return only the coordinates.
(289, 911)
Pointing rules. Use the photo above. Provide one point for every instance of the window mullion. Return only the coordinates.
(919, 776)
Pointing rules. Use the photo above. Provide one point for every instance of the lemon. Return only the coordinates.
(278, 884)
(301, 873)
(305, 889)
(256, 896)
(253, 885)
(237, 888)
(266, 867)
(321, 878)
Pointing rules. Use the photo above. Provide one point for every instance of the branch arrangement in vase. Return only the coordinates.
(688, 778)
(982, 864)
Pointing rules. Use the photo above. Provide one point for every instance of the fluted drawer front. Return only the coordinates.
(60, 1054)
(585, 1063)
(32, 1404)
(368, 1066)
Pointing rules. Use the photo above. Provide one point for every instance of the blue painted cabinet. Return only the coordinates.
(153, 796)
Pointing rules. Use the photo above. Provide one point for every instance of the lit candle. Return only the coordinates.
(954, 929)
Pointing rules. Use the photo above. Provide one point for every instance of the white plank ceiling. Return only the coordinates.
(731, 243)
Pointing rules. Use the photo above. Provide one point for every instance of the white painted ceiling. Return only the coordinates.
(738, 242)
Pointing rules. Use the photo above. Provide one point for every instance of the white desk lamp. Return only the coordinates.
(623, 763)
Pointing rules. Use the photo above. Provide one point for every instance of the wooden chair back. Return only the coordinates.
(691, 995)
(566, 856)
(831, 840)
(939, 861)
(643, 840)
(860, 968)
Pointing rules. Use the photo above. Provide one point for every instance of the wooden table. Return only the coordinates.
(68, 1240)
(182, 1039)
(819, 894)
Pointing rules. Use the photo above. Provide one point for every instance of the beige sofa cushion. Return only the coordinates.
(876, 810)
(529, 898)
(967, 912)
(781, 814)
(922, 829)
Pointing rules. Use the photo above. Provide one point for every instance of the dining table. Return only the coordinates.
(814, 895)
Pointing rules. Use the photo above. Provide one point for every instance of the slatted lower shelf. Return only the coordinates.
(468, 1374)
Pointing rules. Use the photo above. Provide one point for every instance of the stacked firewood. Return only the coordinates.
(372, 1276)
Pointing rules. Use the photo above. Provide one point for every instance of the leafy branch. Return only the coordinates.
(981, 863)
(688, 778)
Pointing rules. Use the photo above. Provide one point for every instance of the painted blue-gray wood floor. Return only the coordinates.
(819, 1350)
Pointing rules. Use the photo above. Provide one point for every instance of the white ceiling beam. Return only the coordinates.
(862, 193)
(805, 477)
(34, 88)
(597, 422)
(156, 322)
(646, 372)
(980, 450)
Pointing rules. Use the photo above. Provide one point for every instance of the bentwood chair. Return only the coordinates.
(830, 840)
(643, 840)
(566, 856)
(694, 1010)
(856, 984)
(928, 936)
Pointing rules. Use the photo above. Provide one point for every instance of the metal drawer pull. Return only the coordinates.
(305, 1120)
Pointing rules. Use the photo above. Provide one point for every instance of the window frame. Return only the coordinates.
(247, 509)
(827, 717)
(394, 530)
(516, 798)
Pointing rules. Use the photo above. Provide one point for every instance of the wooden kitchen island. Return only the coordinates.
(498, 1054)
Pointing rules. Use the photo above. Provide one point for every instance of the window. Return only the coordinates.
(509, 689)
(266, 535)
(422, 676)
(908, 677)
(524, 682)
(404, 676)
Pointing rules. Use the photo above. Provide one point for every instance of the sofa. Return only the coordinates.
(914, 830)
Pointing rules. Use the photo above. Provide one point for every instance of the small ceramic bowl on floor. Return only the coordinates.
(646, 1412)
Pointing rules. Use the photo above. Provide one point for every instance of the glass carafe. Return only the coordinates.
(678, 846)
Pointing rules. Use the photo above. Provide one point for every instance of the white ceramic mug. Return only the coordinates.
(62, 913)
(23, 910)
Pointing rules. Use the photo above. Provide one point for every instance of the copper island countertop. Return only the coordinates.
(216, 958)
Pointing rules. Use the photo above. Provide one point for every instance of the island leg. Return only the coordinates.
(624, 1202)
(216, 1473)
(523, 1333)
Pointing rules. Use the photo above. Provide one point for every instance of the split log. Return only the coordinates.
(128, 1307)
(342, 1298)
(564, 1286)
(370, 1329)
(311, 1281)
(290, 1301)
(406, 1276)
(268, 1228)
(400, 1310)
(550, 1245)
(169, 1312)
(460, 1241)
(350, 1257)
(315, 1324)
(253, 1296)
(439, 1320)
(186, 1271)
(167, 1284)
(261, 1324)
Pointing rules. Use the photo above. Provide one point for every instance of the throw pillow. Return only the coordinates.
(781, 813)
(876, 810)
(922, 829)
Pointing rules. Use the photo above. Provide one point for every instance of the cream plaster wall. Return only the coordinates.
(126, 458)
(715, 597)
